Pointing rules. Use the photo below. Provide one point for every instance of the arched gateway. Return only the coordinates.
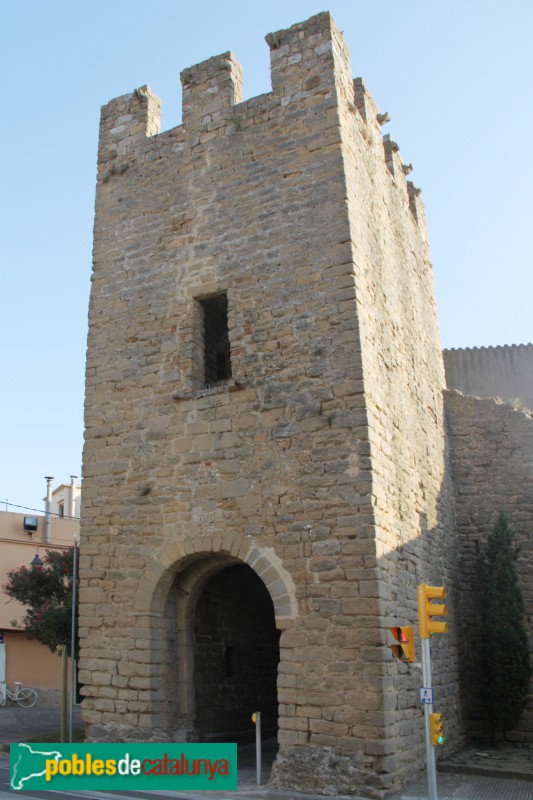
(214, 620)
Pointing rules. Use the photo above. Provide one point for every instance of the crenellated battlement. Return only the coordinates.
(127, 120)
(504, 371)
(307, 58)
(310, 68)
(499, 348)
(209, 89)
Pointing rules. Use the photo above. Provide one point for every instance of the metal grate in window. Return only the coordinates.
(217, 364)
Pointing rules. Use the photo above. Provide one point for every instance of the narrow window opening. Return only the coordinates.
(217, 363)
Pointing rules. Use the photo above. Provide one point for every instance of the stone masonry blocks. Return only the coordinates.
(319, 465)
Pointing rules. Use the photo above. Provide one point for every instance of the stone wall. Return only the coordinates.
(504, 372)
(320, 463)
(490, 448)
(403, 380)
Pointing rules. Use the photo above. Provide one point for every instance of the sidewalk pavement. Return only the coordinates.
(24, 724)
(474, 773)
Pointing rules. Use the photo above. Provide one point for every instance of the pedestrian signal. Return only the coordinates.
(404, 646)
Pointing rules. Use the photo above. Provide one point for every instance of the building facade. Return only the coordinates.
(267, 470)
(22, 537)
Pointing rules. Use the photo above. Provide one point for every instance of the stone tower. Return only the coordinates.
(265, 476)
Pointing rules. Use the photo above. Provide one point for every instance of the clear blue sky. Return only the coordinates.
(456, 78)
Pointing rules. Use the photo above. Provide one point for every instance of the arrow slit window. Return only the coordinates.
(216, 348)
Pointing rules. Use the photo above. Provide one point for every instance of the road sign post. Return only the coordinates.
(428, 710)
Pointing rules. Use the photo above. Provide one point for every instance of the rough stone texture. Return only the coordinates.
(321, 464)
(491, 448)
(504, 372)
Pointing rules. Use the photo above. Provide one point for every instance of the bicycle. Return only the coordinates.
(22, 695)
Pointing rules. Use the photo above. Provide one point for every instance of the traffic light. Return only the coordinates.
(437, 729)
(427, 610)
(405, 647)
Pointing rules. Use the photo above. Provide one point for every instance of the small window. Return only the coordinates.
(217, 363)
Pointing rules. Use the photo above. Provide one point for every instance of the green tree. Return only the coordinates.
(505, 667)
(46, 591)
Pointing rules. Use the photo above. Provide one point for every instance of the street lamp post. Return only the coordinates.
(73, 642)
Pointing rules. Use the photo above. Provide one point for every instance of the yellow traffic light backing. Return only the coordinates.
(427, 610)
(405, 647)
(437, 729)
